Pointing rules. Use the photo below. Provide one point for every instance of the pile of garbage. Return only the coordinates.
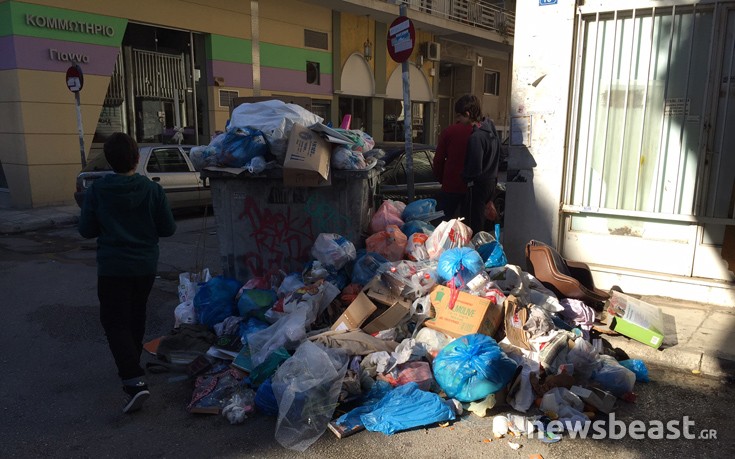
(424, 324)
(257, 137)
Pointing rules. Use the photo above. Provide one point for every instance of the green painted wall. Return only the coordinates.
(222, 48)
(230, 49)
(25, 19)
(287, 57)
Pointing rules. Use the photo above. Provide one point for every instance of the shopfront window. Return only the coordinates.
(393, 121)
(356, 107)
(152, 93)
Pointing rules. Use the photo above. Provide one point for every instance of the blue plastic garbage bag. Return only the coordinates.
(255, 302)
(265, 401)
(240, 146)
(460, 264)
(417, 226)
(406, 407)
(472, 367)
(637, 367)
(366, 267)
(215, 300)
(492, 253)
(351, 419)
(421, 209)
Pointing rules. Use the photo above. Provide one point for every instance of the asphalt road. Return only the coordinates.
(61, 396)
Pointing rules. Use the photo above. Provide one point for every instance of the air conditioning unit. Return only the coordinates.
(432, 51)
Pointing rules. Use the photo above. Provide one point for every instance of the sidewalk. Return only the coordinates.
(699, 336)
(13, 221)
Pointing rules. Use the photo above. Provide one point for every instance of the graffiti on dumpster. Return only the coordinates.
(280, 238)
(325, 217)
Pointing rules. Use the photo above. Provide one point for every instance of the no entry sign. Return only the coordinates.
(401, 39)
(74, 78)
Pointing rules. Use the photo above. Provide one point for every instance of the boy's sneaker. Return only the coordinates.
(136, 396)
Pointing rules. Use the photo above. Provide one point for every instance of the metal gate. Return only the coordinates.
(650, 181)
(158, 75)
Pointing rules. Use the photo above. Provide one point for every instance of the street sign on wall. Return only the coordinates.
(401, 39)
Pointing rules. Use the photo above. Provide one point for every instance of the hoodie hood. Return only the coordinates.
(124, 191)
(486, 126)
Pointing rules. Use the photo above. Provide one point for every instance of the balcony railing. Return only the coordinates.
(475, 13)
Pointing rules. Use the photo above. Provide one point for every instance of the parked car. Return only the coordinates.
(393, 178)
(168, 165)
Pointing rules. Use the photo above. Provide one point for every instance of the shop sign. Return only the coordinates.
(56, 55)
(69, 25)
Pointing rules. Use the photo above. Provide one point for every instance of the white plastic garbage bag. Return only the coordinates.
(274, 119)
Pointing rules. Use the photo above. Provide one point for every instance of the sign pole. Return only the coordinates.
(75, 83)
(407, 121)
(80, 129)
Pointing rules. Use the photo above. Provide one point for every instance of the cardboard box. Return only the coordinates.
(375, 305)
(307, 160)
(356, 313)
(642, 321)
(470, 314)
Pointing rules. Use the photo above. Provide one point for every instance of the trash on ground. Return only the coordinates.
(427, 326)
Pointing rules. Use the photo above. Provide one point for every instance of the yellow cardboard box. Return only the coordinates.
(469, 314)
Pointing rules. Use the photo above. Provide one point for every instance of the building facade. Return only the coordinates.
(621, 139)
(153, 69)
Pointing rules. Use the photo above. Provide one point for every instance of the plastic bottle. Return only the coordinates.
(422, 282)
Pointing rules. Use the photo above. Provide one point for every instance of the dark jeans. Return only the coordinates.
(453, 205)
(123, 313)
(477, 196)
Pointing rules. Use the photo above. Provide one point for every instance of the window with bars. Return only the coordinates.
(641, 95)
(226, 97)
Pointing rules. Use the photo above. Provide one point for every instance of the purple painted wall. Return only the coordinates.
(7, 53)
(30, 53)
(272, 79)
(234, 74)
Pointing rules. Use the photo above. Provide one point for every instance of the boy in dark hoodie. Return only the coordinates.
(127, 213)
(481, 171)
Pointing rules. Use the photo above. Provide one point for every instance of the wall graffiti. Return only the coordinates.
(282, 238)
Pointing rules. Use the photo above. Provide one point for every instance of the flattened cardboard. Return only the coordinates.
(470, 314)
(307, 162)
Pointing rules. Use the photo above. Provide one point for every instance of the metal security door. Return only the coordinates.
(717, 190)
(643, 149)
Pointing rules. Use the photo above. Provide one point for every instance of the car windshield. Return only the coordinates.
(97, 163)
